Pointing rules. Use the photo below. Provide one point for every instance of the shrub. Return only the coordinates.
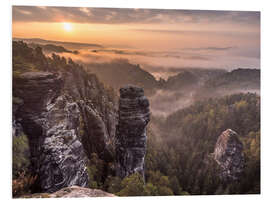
(20, 155)
(132, 185)
(22, 184)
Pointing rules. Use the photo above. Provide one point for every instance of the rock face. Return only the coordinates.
(51, 122)
(63, 123)
(228, 154)
(75, 191)
(70, 192)
(134, 116)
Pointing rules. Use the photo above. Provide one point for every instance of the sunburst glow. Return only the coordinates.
(67, 27)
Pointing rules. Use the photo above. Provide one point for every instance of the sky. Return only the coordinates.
(151, 37)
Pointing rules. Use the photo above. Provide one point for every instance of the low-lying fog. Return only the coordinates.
(165, 102)
(166, 64)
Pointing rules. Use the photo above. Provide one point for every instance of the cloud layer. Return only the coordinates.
(118, 16)
(167, 38)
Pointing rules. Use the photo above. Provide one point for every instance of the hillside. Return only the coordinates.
(235, 81)
(182, 80)
(121, 72)
(180, 146)
(239, 78)
(70, 45)
(52, 48)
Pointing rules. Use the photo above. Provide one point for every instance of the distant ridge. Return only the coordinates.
(44, 41)
(237, 77)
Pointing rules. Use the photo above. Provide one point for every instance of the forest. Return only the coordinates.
(179, 146)
(177, 160)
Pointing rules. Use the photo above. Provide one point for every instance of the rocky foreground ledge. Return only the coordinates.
(73, 191)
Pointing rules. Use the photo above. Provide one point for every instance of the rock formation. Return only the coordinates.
(75, 191)
(71, 192)
(228, 154)
(64, 124)
(134, 115)
(51, 122)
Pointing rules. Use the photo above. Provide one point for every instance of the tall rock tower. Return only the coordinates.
(134, 116)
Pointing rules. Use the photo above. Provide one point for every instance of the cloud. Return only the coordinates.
(118, 16)
(163, 54)
(248, 52)
(211, 48)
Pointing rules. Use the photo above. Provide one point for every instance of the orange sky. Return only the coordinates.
(215, 34)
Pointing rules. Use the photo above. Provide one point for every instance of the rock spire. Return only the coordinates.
(134, 116)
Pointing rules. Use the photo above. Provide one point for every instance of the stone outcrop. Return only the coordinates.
(75, 191)
(66, 116)
(134, 116)
(51, 122)
(229, 156)
(71, 192)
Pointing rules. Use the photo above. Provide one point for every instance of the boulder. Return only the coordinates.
(70, 192)
(75, 191)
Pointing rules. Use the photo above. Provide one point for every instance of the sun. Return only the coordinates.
(67, 27)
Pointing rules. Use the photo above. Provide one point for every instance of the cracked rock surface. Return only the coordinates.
(229, 155)
(134, 116)
(56, 111)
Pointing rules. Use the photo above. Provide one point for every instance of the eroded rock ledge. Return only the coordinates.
(134, 116)
(70, 192)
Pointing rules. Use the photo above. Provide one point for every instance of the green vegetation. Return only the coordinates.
(95, 169)
(22, 179)
(238, 77)
(20, 155)
(189, 136)
(52, 48)
(177, 160)
(134, 185)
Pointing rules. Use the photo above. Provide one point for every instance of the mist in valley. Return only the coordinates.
(163, 101)
(164, 67)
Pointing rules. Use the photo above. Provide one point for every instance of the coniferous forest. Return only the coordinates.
(179, 149)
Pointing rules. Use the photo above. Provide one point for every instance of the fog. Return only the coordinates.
(165, 63)
(163, 102)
